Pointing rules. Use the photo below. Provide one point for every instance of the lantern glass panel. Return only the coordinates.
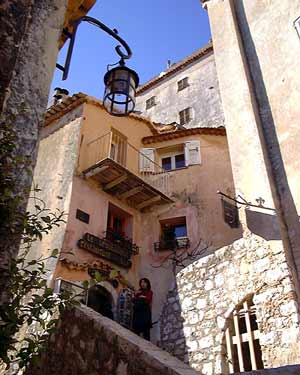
(119, 95)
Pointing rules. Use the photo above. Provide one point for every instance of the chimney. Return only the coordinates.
(59, 95)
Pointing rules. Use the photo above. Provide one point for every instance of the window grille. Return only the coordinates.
(243, 352)
(185, 116)
(183, 83)
(150, 102)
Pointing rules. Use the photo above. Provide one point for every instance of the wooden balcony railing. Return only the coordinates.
(116, 147)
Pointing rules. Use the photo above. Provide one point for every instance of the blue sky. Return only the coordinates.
(155, 30)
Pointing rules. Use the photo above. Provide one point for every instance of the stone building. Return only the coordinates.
(123, 182)
(239, 307)
(186, 93)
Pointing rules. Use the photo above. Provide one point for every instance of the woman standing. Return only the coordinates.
(142, 317)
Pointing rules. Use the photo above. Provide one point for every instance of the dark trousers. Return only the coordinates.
(145, 332)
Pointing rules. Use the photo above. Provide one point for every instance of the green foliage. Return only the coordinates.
(30, 315)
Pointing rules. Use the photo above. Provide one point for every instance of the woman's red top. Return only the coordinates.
(145, 294)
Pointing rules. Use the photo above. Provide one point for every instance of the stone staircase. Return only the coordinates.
(87, 343)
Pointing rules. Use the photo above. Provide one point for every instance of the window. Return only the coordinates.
(185, 116)
(150, 102)
(173, 162)
(243, 352)
(183, 83)
(118, 147)
(82, 216)
(119, 222)
(173, 234)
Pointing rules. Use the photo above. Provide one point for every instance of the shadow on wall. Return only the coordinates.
(172, 334)
(264, 225)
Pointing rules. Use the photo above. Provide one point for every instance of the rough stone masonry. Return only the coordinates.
(89, 344)
(196, 311)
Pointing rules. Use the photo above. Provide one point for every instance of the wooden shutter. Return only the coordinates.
(192, 153)
(147, 160)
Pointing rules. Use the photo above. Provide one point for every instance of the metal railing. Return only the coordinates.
(115, 146)
(178, 243)
(76, 290)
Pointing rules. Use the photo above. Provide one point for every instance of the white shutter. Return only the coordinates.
(147, 160)
(192, 153)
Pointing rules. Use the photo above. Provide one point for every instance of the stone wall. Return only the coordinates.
(202, 95)
(89, 344)
(195, 314)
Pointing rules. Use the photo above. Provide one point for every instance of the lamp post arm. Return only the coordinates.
(93, 21)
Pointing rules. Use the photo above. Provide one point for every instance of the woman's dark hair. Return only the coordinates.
(147, 282)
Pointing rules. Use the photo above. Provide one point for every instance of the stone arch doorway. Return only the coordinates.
(242, 351)
(100, 300)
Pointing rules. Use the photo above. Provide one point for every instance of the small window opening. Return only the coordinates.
(243, 351)
(119, 223)
(183, 83)
(173, 234)
(150, 102)
(185, 116)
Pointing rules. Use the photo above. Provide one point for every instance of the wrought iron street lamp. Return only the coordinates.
(120, 82)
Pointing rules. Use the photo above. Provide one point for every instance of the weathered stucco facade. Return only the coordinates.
(201, 95)
(79, 122)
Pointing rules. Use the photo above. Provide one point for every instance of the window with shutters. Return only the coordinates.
(243, 351)
(172, 157)
(185, 116)
(192, 152)
(147, 160)
(150, 102)
(183, 83)
(173, 162)
(180, 155)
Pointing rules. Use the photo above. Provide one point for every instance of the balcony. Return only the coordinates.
(176, 244)
(113, 247)
(125, 172)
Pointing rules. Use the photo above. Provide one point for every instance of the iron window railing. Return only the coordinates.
(178, 243)
(116, 249)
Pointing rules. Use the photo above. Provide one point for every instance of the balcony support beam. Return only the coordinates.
(148, 202)
(96, 170)
(131, 192)
(115, 182)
